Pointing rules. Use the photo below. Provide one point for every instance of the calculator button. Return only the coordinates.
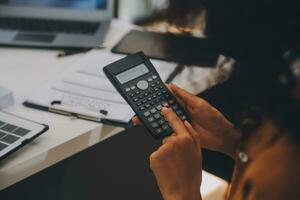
(141, 97)
(147, 114)
(154, 96)
(150, 119)
(183, 117)
(159, 130)
(137, 92)
(142, 108)
(150, 79)
(154, 125)
(152, 103)
(157, 83)
(159, 107)
(151, 91)
(156, 89)
(132, 95)
(164, 92)
(159, 94)
(179, 112)
(157, 100)
(143, 85)
(152, 85)
(149, 98)
(139, 104)
(154, 77)
(161, 121)
(153, 110)
(165, 127)
(132, 87)
(135, 100)
(146, 94)
(127, 89)
(148, 106)
(161, 87)
(157, 116)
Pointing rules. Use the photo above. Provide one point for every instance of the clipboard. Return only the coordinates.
(82, 91)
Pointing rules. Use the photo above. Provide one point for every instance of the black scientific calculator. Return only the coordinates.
(138, 82)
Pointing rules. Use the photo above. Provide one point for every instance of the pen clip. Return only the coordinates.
(54, 109)
(56, 102)
(59, 111)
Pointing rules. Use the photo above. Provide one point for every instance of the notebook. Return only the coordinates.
(83, 91)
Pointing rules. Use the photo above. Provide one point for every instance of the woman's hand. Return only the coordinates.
(214, 130)
(177, 164)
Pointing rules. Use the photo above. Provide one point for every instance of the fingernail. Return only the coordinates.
(187, 123)
(173, 84)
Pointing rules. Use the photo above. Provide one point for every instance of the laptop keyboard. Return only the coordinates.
(10, 133)
(45, 25)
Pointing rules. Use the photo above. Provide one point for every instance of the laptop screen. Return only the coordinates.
(68, 4)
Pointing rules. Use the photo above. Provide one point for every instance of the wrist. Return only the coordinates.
(233, 137)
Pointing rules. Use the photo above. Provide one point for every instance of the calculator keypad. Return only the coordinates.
(149, 96)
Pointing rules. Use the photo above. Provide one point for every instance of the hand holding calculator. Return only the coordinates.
(138, 82)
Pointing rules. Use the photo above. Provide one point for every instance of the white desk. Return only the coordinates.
(21, 71)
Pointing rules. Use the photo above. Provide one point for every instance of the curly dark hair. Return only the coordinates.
(258, 33)
(269, 88)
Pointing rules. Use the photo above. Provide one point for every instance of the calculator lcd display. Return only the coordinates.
(133, 73)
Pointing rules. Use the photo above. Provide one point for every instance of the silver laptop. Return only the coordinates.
(15, 132)
(54, 23)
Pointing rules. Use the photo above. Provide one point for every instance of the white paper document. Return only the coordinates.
(84, 90)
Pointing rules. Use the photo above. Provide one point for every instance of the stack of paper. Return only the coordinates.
(84, 90)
